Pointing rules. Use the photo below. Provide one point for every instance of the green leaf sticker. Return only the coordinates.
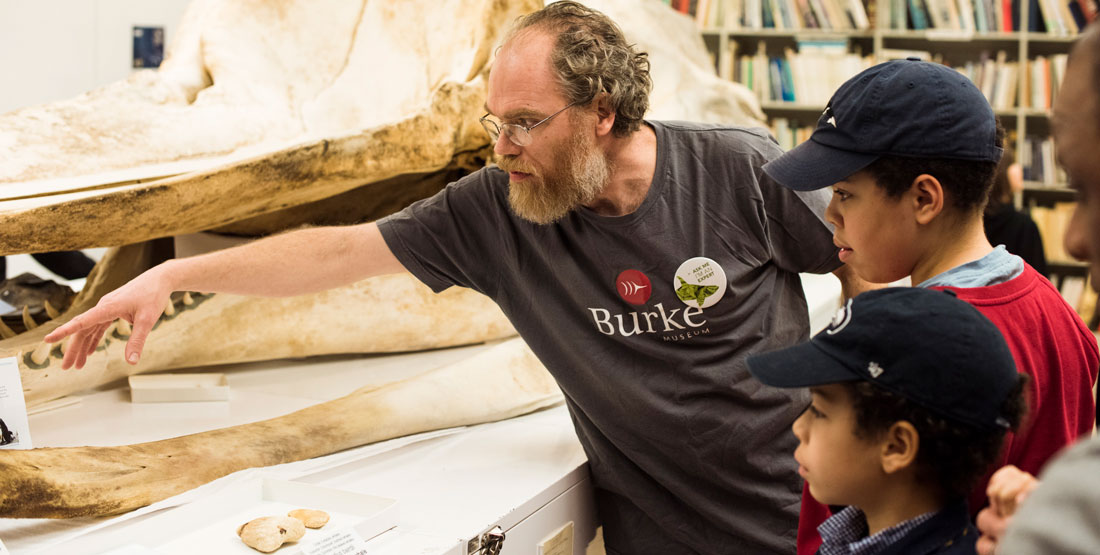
(693, 292)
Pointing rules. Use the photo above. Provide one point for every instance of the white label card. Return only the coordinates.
(338, 542)
(558, 543)
(15, 432)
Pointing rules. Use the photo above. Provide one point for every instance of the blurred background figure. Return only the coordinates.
(1004, 224)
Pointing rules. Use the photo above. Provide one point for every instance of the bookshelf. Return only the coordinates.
(1016, 60)
(1023, 64)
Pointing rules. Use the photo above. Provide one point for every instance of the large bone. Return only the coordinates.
(400, 314)
(502, 382)
(133, 212)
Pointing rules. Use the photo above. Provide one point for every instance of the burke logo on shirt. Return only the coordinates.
(634, 287)
(675, 324)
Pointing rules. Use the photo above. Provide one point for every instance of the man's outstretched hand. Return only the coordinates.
(140, 302)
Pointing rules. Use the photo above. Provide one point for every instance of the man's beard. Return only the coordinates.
(576, 177)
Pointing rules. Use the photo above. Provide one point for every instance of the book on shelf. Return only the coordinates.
(1086, 306)
(995, 76)
(1077, 292)
(1036, 157)
(791, 133)
(1052, 223)
(1042, 79)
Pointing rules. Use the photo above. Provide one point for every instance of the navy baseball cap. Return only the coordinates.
(901, 108)
(922, 344)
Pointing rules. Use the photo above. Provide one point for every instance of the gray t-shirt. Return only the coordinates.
(1059, 518)
(647, 339)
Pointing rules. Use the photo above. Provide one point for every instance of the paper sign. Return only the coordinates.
(15, 432)
(558, 543)
(338, 542)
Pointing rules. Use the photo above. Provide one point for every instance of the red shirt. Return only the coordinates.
(1053, 346)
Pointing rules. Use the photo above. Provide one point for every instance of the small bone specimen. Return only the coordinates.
(269, 533)
(312, 518)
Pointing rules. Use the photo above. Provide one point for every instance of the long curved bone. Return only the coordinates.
(91, 481)
(403, 315)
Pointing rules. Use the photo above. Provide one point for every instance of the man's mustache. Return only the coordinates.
(512, 164)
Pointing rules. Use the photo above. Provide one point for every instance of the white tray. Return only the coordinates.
(209, 525)
(167, 388)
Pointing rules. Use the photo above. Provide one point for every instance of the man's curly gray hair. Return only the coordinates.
(591, 56)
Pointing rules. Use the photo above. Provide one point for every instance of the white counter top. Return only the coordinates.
(451, 485)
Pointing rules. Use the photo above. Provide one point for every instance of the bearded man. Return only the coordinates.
(642, 261)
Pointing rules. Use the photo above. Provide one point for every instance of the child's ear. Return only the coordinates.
(927, 197)
(899, 447)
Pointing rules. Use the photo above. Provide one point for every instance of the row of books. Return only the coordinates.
(808, 76)
(818, 68)
(1037, 80)
(794, 15)
(1059, 17)
(996, 77)
(1036, 156)
(1042, 79)
(1032, 84)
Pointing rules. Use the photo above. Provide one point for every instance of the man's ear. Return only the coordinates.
(899, 447)
(605, 115)
(927, 196)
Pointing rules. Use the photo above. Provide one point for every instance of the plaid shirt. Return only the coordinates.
(845, 533)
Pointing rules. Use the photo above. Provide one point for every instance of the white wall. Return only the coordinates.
(56, 49)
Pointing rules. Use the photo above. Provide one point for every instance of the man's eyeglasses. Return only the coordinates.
(519, 135)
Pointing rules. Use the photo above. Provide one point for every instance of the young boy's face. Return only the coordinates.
(839, 467)
(876, 233)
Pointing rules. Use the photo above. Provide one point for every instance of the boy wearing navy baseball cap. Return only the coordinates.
(910, 149)
(913, 392)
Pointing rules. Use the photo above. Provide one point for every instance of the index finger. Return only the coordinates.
(84, 321)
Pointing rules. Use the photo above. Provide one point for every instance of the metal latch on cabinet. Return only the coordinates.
(488, 543)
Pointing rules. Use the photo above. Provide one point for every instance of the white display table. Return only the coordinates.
(451, 486)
